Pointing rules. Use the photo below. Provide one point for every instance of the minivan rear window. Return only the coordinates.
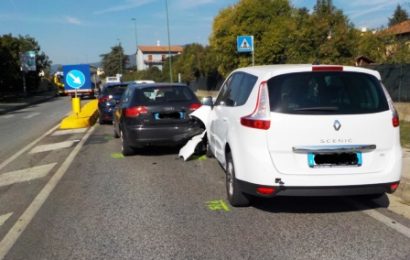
(326, 93)
(158, 95)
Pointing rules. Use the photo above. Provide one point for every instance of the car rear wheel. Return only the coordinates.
(235, 196)
(125, 148)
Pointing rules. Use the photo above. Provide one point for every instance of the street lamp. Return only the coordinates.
(136, 42)
(169, 42)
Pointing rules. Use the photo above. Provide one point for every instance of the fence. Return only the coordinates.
(396, 78)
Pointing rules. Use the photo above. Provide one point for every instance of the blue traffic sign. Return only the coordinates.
(77, 77)
(244, 43)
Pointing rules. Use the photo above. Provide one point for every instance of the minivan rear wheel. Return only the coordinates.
(125, 148)
(235, 196)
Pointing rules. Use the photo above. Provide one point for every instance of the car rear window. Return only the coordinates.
(164, 94)
(114, 89)
(326, 93)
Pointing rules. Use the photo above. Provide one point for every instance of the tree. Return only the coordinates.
(399, 15)
(114, 62)
(10, 74)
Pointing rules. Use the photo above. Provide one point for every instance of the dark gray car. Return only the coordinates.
(155, 114)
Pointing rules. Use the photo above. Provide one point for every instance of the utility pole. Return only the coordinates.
(136, 42)
(169, 43)
(120, 50)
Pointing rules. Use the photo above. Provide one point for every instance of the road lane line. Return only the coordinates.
(18, 228)
(4, 218)
(7, 116)
(394, 224)
(31, 115)
(28, 147)
(52, 147)
(25, 174)
(69, 132)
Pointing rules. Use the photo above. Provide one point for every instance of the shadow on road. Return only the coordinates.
(319, 204)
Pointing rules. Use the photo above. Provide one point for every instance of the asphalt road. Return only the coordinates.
(156, 206)
(20, 127)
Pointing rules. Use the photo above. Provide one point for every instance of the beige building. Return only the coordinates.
(155, 55)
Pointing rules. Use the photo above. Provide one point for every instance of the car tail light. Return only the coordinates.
(394, 186)
(260, 118)
(327, 68)
(395, 119)
(194, 106)
(103, 99)
(135, 111)
(265, 190)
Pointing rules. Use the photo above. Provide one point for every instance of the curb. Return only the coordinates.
(86, 118)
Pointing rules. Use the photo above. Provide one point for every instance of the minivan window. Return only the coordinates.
(326, 93)
(236, 90)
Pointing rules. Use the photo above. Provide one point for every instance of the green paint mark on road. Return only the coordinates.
(117, 156)
(217, 205)
(202, 158)
(108, 137)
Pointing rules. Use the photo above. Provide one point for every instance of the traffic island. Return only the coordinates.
(86, 117)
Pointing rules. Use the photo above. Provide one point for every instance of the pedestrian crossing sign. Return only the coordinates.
(244, 43)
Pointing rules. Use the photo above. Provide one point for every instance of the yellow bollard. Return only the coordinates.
(75, 102)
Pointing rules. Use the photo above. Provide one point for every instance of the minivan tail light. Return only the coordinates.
(395, 119)
(327, 68)
(260, 117)
(194, 106)
(135, 111)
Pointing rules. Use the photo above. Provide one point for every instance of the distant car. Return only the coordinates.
(155, 114)
(109, 97)
(303, 130)
(144, 81)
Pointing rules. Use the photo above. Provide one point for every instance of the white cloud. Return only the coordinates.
(128, 4)
(72, 20)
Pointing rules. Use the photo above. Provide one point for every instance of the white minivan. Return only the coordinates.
(305, 130)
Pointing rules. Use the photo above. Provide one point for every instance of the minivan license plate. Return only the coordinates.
(334, 159)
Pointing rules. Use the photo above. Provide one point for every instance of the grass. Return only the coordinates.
(405, 134)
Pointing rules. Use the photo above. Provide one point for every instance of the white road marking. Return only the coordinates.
(4, 218)
(14, 233)
(7, 116)
(382, 218)
(52, 147)
(26, 174)
(28, 147)
(31, 115)
(69, 131)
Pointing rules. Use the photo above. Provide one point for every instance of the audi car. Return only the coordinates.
(155, 114)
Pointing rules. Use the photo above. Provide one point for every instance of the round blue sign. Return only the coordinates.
(75, 79)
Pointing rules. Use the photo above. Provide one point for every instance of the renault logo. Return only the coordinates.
(337, 125)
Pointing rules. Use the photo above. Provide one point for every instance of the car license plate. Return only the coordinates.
(173, 115)
(334, 159)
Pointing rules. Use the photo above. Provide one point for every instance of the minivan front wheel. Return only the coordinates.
(235, 196)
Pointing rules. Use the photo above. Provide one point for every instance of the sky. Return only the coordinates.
(74, 31)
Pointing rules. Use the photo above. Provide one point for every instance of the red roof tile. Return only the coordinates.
(160, 49)
(401, 28)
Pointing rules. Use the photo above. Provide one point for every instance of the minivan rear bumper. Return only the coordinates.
(251, 189)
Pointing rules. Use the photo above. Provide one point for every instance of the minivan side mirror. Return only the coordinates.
(207, 101)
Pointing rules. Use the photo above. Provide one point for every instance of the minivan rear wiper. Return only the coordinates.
(316, 109)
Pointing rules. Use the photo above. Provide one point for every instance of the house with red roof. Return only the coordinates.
(149, 56)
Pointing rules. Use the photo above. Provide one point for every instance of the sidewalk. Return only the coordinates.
(12, 103)
(404, 189)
